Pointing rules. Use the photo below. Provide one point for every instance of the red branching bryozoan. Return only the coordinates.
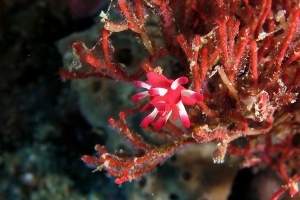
(242, 56)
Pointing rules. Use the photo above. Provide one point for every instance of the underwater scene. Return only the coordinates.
(149, 99)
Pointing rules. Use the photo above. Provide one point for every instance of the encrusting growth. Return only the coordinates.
(241, 64)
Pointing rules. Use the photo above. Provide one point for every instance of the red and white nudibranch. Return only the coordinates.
(167, 97)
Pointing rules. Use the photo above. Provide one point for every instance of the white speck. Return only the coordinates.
(27, 178)
(192, 63)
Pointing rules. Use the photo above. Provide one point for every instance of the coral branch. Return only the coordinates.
(236, 74)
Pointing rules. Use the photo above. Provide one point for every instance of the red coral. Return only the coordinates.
(243, 56)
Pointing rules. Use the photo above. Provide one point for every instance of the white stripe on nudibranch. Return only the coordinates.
(142, 84)
(158, 91)
(139, 96)
(179, 81)
(147, 120)
(183, 115)
(192, 94)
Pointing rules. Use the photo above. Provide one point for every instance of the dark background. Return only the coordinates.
(42, 133)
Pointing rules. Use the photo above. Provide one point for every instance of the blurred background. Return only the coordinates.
(47, 124)
(42, 132)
